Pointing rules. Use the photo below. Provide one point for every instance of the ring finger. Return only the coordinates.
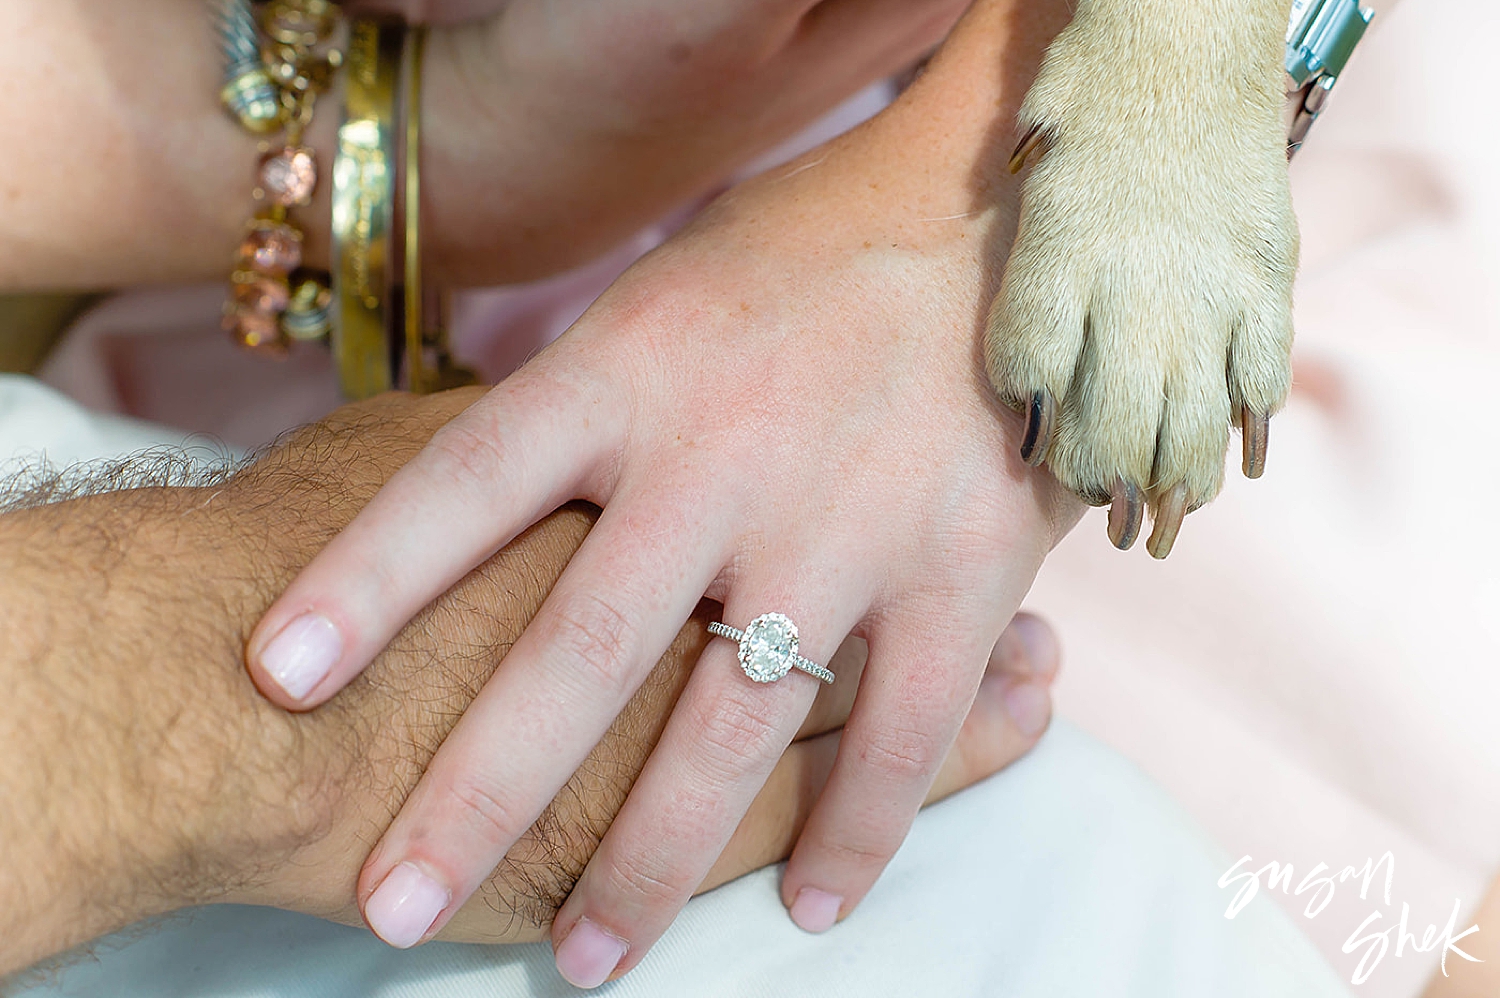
(721, 744)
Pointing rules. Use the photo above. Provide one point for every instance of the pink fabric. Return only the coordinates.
(1314, 671)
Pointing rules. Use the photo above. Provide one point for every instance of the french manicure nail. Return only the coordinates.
(303, 654)
(404, 906)
(1029, 707)
(589, 955)
(815, 910)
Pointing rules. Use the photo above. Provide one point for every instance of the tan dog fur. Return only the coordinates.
(1150, 287)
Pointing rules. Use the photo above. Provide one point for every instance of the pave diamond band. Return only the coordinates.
(768, 648)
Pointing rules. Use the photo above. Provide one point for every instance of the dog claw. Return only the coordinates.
(1167, 521)
(1255, 434)
(1040, 418)
(1025, 147)
(1125, 515)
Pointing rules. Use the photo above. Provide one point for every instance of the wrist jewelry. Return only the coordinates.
(1320, 37)
(429, 362)
(365, 173)
(274, 72)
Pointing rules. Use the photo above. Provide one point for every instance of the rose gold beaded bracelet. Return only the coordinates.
(277, 62)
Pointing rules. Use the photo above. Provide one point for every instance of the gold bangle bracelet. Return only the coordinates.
(414, 293)
(364, 211)
(429, 362)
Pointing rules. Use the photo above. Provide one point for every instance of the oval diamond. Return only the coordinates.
(769, 647)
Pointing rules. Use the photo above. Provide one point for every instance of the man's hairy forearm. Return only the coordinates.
(105, 729)
(144, 772)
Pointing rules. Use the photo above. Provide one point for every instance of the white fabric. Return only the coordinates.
(38, 424)
(1068, 874)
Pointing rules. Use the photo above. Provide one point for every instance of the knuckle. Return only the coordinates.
(647, 880)
(467, 452)
(870, 853)
(978, 751)
(595, 639)
(487, 814)
(733, 729)
(901, 754)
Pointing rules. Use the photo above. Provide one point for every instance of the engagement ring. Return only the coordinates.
(768, 648)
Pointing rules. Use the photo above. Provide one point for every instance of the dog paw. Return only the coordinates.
(1146, 305)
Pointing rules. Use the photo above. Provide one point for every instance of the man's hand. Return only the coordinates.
(144, 773)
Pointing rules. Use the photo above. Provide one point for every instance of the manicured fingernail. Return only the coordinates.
(1029, 707)
(302, 655)
(589, 955)
(815, 910)
(404, 906)
(1040, 644)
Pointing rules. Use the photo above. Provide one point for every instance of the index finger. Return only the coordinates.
(518, 453)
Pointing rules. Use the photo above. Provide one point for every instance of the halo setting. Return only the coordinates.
(769, 648)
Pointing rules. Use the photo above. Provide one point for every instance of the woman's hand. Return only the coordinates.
(379, 738)
(782, 408)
